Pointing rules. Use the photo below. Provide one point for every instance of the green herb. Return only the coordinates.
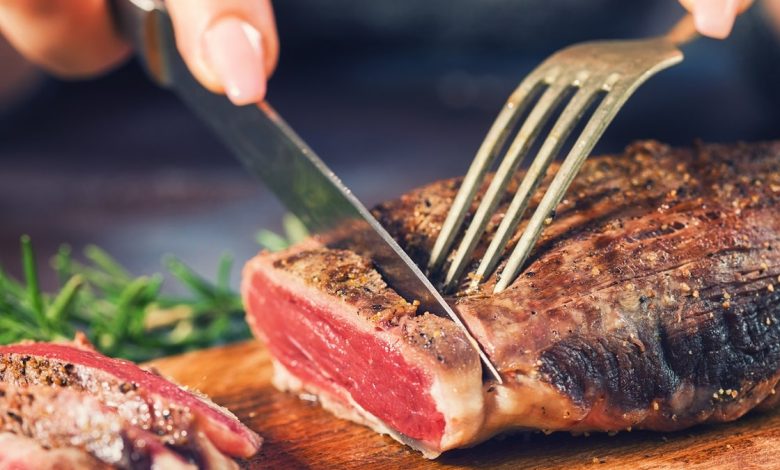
(294, 232)
(123, 315)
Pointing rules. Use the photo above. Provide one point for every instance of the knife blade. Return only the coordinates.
(274, 153)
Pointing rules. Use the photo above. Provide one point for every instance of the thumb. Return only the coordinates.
(73, 38)
(715, 18)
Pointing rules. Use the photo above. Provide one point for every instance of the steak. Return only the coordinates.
(69, 396)
(652, 301)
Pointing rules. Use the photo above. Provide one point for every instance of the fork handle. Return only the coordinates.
(683, 32)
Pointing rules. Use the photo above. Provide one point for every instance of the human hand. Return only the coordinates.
(715, 18)
(230, 46)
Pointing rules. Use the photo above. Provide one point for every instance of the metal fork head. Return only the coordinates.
(575, 78)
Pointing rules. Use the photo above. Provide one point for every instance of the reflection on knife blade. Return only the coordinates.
(269, 149)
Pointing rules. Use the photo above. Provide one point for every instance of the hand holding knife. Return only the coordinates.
(270, 150)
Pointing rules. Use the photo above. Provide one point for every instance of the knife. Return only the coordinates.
(270, 150)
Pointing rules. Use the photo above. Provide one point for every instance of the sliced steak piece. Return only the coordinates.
(136, 413)
(62, 417)
(332, 324)
(652, 301)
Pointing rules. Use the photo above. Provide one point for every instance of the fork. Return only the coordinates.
(603, 74)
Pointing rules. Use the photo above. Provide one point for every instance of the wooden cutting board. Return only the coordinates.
(299, 434)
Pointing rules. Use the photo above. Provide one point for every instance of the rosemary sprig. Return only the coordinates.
(123, 315)
(294, 232)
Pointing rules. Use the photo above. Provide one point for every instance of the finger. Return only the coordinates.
(71, 38)
(230, 46)
(715, 18)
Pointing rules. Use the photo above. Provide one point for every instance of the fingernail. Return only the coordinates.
(234, 52)
(715, 18)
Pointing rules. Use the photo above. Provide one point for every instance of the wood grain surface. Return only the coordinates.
(299, 434)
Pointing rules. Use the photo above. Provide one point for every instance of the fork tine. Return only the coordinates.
(515, 106)
(602, 116)
(514, 155)
(552, 144)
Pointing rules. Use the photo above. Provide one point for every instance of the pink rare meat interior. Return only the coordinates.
(320, 349)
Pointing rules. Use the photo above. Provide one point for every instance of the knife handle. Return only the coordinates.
(144, 23)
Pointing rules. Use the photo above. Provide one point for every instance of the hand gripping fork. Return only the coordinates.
(583, 73)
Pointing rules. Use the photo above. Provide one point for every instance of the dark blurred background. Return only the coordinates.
(390, 94)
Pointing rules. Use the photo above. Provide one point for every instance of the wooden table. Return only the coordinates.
(299, 434)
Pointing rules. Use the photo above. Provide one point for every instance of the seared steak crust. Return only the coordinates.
(353, 280)
(69, 396)
(63, 418)
(651, 297)
(164, 419)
